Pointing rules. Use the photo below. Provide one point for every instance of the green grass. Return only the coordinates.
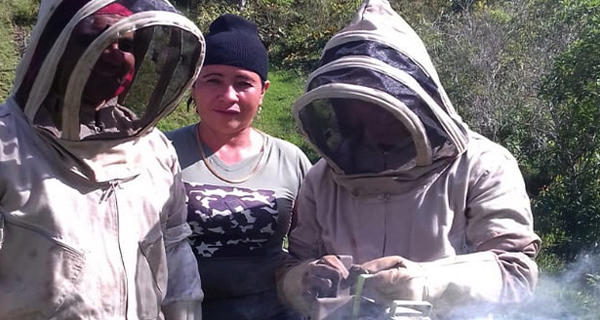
(275, 118)
(16, 20)
(179, 117)
(9, 55)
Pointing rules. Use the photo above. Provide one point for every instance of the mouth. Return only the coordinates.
(233, 110)
(105, 81)
(109, 73)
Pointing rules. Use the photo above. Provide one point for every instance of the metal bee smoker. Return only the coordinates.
(350, 304)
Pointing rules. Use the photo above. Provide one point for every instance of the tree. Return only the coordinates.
(570, 204)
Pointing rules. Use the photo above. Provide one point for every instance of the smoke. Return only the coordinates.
(564, 292)
(568, 294)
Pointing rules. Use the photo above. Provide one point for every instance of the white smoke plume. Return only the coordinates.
(570, 294)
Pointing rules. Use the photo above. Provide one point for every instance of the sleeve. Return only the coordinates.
(305, 234)
(501, 267)
(501, 222)
(304, 246)
(1, 229)
(303, 166)
(305, 163)
(184, 292)
(295, 161)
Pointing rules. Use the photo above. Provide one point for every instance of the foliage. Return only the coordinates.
(297, 32)
(490, 59)
(571, 202)
(294, 31)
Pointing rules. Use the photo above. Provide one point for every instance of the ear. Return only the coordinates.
(265, 86)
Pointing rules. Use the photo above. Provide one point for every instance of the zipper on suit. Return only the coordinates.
(112, 185)
(1, 229)
(110, 193)
(385, 197)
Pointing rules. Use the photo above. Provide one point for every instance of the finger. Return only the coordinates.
(327, 272)
(315, 283)
(335, 262)
(395, 284)
(353, 273)
(357, 269)
(382, 280)
(384, 263)
(389, 281)
(321, 287)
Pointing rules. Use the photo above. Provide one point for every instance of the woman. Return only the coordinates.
(241, 183)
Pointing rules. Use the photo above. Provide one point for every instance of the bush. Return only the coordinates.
(571, 202)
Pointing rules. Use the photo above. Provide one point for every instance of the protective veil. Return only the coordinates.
(403, 179)
(92, 210)
(375, 75)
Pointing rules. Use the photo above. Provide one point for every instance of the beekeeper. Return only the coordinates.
(92, 209)
(432, 210)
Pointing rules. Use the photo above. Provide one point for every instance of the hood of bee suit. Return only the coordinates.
(101, 73)
(375, 109)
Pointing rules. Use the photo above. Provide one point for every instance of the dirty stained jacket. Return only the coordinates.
(456, 202)
(94, 227)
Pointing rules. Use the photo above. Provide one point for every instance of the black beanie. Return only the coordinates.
(233, 41)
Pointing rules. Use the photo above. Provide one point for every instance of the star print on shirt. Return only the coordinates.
(230, 221)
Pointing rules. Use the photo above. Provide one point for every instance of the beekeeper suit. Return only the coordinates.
(92, 211)
(430, 209)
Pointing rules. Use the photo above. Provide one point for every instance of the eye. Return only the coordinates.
(244, 84)
(86, 32)
(85, 39)
(212, 81)
(126, 45)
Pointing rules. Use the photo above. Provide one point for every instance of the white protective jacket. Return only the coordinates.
(449, 199)
(92, 209)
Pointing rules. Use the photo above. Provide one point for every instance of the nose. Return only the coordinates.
(230, 93)
(112, 48)
(114, 56)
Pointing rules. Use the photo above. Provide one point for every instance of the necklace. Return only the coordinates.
(214, 172)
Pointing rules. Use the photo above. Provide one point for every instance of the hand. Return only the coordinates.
(324, 276)
(183, 310)
(394, 278)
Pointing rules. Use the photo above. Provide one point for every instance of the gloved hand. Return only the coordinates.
(183, 310)
(394, 278)
(323, 277)
(300, 285)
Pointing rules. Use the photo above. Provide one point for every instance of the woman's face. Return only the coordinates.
(227, 98)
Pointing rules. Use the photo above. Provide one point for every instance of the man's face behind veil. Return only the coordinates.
(379, 126)
(113, 70)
